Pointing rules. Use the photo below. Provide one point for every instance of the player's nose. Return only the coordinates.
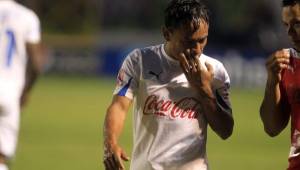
(197, 49)
(292, 32)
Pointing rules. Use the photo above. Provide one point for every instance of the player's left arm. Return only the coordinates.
(216, 105)
(33, 69)
(34, 53)
(217, 111)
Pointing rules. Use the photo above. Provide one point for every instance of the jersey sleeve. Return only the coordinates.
(33, 33)
(128, 76)
(222, 88)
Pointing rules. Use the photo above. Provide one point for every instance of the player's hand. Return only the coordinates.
(114, 156)
(276, 63)
(200, 77)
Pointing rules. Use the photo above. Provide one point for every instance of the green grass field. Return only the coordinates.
(61, 129)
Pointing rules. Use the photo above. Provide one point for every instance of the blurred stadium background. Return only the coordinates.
(85, 42)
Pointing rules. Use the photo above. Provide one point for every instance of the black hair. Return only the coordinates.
(179, 12)
(289, 2)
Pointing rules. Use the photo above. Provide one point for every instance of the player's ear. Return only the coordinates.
(166, 33)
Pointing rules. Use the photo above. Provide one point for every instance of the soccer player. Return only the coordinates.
(282, 93)
(20, 64)
(177, 91)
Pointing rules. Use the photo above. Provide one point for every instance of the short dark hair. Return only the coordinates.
(181, 11)
(289, 2)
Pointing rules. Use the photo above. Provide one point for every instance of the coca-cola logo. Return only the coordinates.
(185, 108)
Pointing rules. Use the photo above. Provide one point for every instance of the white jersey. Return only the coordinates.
(18, 26)
(169, 129)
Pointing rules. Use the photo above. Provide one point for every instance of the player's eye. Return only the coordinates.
(188, 42)
(201, 41)
(296, 25)
(286, 25)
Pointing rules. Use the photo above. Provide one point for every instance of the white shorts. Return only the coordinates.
(9, 123)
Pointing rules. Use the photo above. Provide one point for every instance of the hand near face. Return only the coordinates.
(276, 63)
(200, 77)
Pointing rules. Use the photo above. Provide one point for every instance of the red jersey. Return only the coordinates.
(290, 93)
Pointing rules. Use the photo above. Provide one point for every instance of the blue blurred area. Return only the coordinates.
(112, 59)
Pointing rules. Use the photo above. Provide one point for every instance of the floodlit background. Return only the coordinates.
(85, 41)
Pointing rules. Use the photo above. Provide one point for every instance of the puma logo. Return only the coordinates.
(155, 74)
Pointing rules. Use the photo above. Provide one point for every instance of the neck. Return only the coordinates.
(169, 50)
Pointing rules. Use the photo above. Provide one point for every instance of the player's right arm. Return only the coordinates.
(272, 112)
(113, 126)
(127, 85)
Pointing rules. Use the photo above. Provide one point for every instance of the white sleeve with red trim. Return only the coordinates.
(129, 75)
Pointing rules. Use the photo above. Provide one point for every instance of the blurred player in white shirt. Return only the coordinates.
(177, 91)
(20, 64)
